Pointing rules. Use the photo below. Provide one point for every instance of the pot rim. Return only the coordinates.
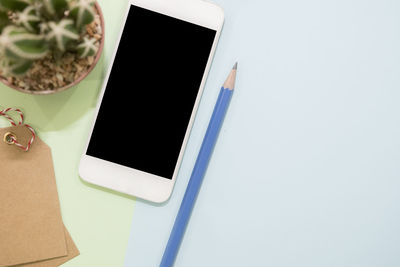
(77, 81)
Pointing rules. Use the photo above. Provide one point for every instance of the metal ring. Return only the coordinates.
(10, 138)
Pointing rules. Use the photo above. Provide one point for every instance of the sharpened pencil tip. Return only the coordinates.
(230, 81)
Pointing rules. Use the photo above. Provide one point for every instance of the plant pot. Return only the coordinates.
(78, 79)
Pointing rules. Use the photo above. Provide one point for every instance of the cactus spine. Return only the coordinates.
(87, 48)
(29, 19)
(62, 33)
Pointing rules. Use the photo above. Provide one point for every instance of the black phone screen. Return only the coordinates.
(151, 92)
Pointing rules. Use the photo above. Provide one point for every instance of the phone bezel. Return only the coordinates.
(128, 180)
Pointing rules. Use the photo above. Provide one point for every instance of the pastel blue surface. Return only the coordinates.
(196, 178)
(306, 169)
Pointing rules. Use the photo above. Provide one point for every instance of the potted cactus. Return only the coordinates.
(47, 46)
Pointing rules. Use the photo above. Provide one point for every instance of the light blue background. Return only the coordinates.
(306, 170)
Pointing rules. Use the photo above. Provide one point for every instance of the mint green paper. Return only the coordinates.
(99, 221)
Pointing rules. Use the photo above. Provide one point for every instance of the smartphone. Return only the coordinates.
(150, 96)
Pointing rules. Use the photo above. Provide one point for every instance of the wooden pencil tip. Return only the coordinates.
(230, 81)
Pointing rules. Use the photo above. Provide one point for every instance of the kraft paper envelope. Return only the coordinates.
(31, 227)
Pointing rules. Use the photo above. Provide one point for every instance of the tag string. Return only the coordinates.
(14, 141)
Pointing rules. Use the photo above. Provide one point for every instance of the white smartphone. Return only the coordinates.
(150, 96)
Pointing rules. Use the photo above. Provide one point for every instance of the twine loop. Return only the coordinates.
(10, 138)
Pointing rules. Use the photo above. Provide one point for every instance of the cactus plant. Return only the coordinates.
(17, 43)
(83, 13)
(33, 29)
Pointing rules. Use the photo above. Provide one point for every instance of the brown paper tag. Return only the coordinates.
(72, 253)
(31, 228)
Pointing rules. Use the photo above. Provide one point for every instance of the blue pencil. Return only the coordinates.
(199, 170)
